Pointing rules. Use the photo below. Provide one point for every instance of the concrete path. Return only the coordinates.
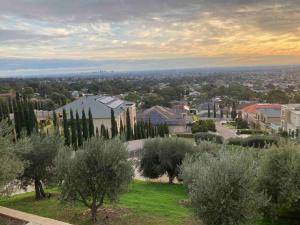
(224, 131)
(135, 145)
(31, 219)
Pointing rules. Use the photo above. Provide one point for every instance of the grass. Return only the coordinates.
(143, 204)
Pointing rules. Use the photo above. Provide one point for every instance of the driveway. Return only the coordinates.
(224, 131)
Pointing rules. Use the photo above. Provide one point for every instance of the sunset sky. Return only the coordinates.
(193, 33)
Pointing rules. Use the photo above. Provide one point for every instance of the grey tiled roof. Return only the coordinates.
(100, 106)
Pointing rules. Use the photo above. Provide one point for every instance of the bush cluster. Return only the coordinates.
(203, 126)
(250, 131)
(204, 136)
(240, 186)
(164, 156)
(256, 141)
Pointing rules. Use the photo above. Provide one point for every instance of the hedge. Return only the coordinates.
(257, 141)
(249, 131)
(205, 136)
(185, 135)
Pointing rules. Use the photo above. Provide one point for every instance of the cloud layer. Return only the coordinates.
(238, 31)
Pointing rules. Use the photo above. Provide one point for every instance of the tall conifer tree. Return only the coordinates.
(91, 125)
(66, 128)
(128, 126)
(73, 130)
(85, 132)
(79, 130)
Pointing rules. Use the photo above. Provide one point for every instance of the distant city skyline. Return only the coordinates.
(117, 35)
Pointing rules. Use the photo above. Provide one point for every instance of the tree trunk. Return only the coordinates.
(39, 191)
(171, 178)
(94, 212)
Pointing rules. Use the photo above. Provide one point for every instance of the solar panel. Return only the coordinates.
(115, 104)
(105, 100)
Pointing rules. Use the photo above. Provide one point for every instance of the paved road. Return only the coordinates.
(224, 131)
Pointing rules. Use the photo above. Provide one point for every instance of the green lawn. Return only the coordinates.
(143, 204)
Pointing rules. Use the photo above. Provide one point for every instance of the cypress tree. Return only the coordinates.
(128, 126)
(55, 122)
(66, 128)
(233, 111)
(221, 113)
(85, 132)
(166, 128)
(91, 125)
(73, 130)
(114, 129)
(103, 131)
(79, 130)
(107, 134)
(17, 120)
(121, 127)
(208, 110)
(215, 111)
(97, 132)
(1, 113)
(10, 106)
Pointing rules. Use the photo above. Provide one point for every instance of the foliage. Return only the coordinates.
(205, 136)
(255, 141)
(128, 126)
(73, 130)
(203, 126)
(91, 125)
(10, 166)
(250, 131)
(279, 177)
(223, 188)
(241, 124)
(277, 96)
(164, 155)
(66, 129)
(99, 170)
(39, 156)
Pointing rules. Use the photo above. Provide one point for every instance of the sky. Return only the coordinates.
(147, 34)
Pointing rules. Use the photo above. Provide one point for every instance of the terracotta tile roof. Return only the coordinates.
(253, 108)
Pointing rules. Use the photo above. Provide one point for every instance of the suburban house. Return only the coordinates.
(101, 107)
(161, 115)
(290, 118)
(262, 116)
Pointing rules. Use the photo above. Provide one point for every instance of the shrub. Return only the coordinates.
(10, 167)
(99, 170)
(223, 188)
(203, 126)
(257, 141)
(204, 136)
(185, 135)
(249, 131)
(280, 178)
(241, 124)
(164, 155)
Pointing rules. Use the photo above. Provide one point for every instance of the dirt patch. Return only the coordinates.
(106, 216)
(4, 220)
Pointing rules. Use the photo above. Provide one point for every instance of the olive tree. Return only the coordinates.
(10, 167)
(39, 157)
(280, 177)
(100, 169)
(223, 187)
(164, 156)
